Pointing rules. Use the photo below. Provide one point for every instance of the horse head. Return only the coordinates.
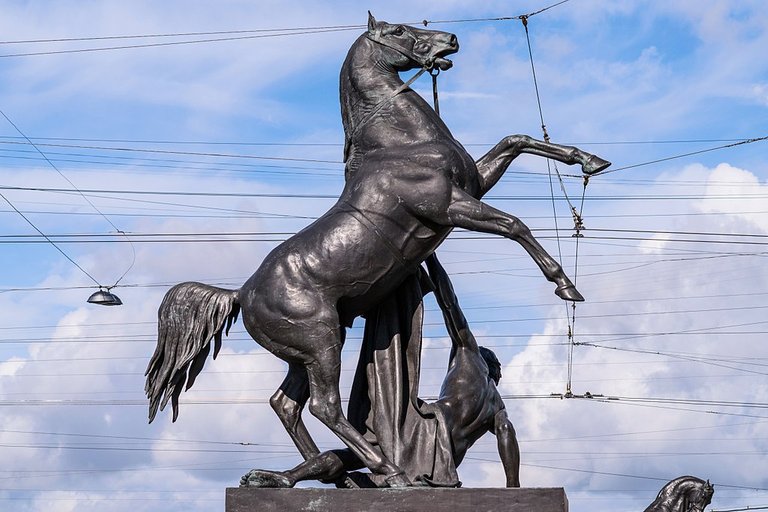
(700, 496)
(683, 494)
(407, 47)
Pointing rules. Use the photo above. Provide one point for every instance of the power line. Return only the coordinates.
(482, 307)
(265, 401)
(174, 152)
(54, 244)
(657, 197)
(674, 157)
(235, 35)
(499, 18)
(18, 130)
(748, 507)
(177, 43)
(210, 154)
(622, 336)
(339, 144)
(701, 360)
(456, 237)
(246, 214)
(185, 234)
(286, 170)
(178, 165)
(178, 34)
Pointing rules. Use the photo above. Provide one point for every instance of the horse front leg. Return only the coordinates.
(469, 213)
(492, 166)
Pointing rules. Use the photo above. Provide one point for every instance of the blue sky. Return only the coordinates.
(675, 299)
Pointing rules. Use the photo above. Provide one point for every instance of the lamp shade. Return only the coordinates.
(104, 298)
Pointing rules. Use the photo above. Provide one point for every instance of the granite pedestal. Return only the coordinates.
(416, 499)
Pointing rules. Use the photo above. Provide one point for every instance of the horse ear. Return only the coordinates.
(371, 23)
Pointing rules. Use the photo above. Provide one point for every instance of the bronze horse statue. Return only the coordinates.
(408, 184)
(683, 494)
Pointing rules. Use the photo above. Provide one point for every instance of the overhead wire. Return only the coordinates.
(616, 169)
(470, 307)
(570, 320)
(147, 239)
(198, 142)
(683, 155)
(724, 234)
(176, 34)
(123, 149)
(505, 197)
(54, 244)
(233, 35)
(247, 214)
(260, 157)
(18, 130)
(176, 43)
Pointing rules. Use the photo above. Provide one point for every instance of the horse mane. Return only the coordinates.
(680, 484)
(677, 487)
(351, 110)
(353, 85)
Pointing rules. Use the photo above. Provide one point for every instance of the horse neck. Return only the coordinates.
(364, 82)
(368, 84)
(677, 493)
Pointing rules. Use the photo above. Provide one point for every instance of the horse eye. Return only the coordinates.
(398, 31)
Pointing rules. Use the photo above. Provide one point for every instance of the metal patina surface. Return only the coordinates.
(683, 494)
(396, 500)
(408, 184)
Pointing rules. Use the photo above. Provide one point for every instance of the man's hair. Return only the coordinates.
(494, 366)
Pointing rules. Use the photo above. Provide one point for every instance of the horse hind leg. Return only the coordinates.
(288, 403)
(325, 404)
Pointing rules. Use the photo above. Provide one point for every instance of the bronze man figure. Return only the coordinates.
(469, 402)
(409, 183)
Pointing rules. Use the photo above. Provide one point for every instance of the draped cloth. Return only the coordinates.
(384, 405)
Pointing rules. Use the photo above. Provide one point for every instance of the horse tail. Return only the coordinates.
(190, 315)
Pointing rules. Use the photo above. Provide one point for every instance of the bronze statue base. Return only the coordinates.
(417, 499)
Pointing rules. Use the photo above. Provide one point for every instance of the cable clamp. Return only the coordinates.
(578, 223)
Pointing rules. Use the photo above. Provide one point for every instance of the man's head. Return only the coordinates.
(494, 366)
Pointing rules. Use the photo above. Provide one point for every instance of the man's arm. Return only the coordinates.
(509, 451)
(455, 321)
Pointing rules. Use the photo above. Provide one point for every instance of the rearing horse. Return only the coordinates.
(408, 184)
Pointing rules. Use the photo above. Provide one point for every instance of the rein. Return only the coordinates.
(426, 67)
(355, 212)
(377, 38)
(383, 103)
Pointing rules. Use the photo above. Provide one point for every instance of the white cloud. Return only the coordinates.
(760, 92)
(657, 301)
(606, 73)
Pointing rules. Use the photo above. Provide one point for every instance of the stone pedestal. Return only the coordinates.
(416, 499)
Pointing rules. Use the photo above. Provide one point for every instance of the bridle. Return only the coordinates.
(377, 37)
(426, 66)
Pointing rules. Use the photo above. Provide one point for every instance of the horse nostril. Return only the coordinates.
(453, 41)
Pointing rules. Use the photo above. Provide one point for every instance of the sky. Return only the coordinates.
(208, 148)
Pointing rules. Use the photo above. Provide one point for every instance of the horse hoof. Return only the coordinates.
(398, 480)
(594, 165)
(569, 292)
(264, 478)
